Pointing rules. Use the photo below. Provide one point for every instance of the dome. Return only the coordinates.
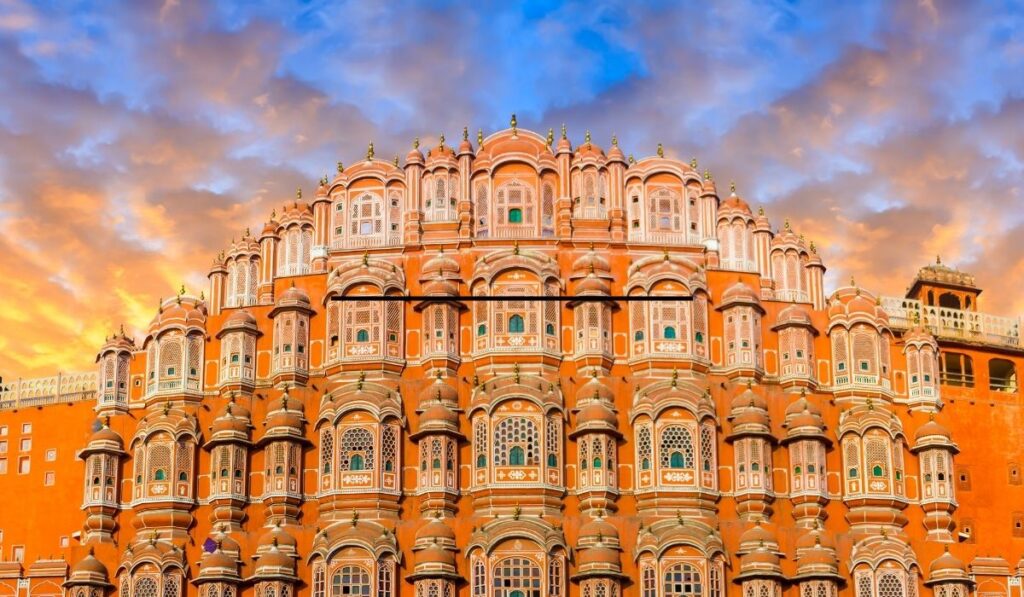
(594, 389)
(599, 555)
(107, 435)
(218, 559)
(435, 555)
(756, 537)
(182, 312)
(593, 285)
(439, 415)
(751, 417)
(590, 262)
(232, 419)
(814, 538)
(599, 528)
(435, 529)
(795, 314)
(275, 561)
(240, 319)
(945, 563)
(278, 538)
(293, 296)
(748, 399)
(439, 391)
(734, 203)
(440, 264)
(596, 412)
(89, 565)
(932, 429)
(739, 293)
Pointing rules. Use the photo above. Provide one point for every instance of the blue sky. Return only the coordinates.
(142, 136)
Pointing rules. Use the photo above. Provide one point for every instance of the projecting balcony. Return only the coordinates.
(739, 265)
(58, 389)
(589, 212)
(367, 241)
(792, 296)
(953, 324)
(293, 269)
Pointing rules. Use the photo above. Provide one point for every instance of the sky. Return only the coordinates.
(137, 138)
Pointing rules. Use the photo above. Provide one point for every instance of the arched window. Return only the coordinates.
(517, 577)
(516, 442)
(670, 333)
(682, 580)
(516, 456)
(676, 447)
(515, 216)
(350, 580)
(160, 475)
(516, 325)
(356, 463)
(362, 336)
(677, 460)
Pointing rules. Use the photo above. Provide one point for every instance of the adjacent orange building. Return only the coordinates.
(366, 401)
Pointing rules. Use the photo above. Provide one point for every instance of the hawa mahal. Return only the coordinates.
(519, 368)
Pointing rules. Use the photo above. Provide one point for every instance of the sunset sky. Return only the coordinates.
(137, 138)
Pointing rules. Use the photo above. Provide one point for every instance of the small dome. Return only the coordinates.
(794, 314)
(441, 263)
(599, 555)
(218, 559)
(275, 560)
(293, 296)
(756, 536)
(89, 565)
(813, 538)
(435, 555)
(276, 537)
(106, 435)
(946, 563)
(435, 529)
(751, 417)
(734, 203)
(599, 528)
(593, 285)
(439, 414)
(591, 261)
(748, 399)
(759, 558)
(740, 293)
(931, 429)
(439, 391)
(595, 389)
(596, 412)
(240, 319)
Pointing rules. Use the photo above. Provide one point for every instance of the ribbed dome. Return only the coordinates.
(435, 529)
(599, 528)
(596, 412)
(106, 435)
(794, 314)
(218, 559)
(276, 537)
(440, 264)
(240, 319)
(603, 555)
(740, 293)
(756, 536)
(89, 565)
(748, 399)
(734, 203)
(932, 428)
(439, 391)
(947, 562)
(293, 296)
(594, 389)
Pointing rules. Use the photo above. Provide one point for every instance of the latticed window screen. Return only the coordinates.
(555, 577)
(864, 355)
(707, 448)
(643, 447)
(517, 577)
(891, 584)
(389, 447)
(326, 450)
(172, 585)
(552, 440)
(480, 207)
(367, 216)
(183, 460)
(385, 578)
(159, 460)
(877, 456)
(715, 580)
(357, 442)
(675, 448)
(648, 582)
(350, 580)
(480, 441)
(170, 358)
(839, 352)
(145, 587)
(682, 580)
(548, 206)
(516, 432)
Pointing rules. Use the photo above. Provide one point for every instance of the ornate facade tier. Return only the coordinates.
(424, 380)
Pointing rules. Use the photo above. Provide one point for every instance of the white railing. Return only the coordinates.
(955, 324)
(293, 269)
(518, 231)
(690, 237)
(368, 241)
(739, 265)
(590, 212)
(792, 296)
(60, 388)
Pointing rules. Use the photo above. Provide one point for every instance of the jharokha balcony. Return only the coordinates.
(953, 324)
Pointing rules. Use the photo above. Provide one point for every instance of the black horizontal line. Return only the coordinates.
(489, 298)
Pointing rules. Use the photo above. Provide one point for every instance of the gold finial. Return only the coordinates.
(369, 152)
(661, 150)
(515, 371)
(853, 282)
(813, 248)
(465, 133)
(182, 291)
(355, 517)
(340, 167)
(586, 137)
(786, 224)
(707, 174)
(551, 137)
(732, 187)
(273, 212)
(515, 248)
(440, 141)
(938, 260)
(202, 295)
(615, 140)
(664, 254)
(514, 124)
(416, 143)
(693, 162)
(298, 192)
(632, 160)
(760, 210)
(395, 161)
(480, 137)
(563, 130)
(366, 258)
(516, 512)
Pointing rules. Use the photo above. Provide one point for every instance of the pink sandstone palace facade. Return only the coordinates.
(287, 432)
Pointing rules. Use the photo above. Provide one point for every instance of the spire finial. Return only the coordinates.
(615, 140)
(693, 162)
(586, 137)
(732, 187)
(440, 141)
(514, 124)
(341, 167)
(814, 249)
(369, 152)
(465, 133)
(786, 224)
(551, 137)
(938, 260)
(298, 192)
(182, 291)
(395, 161)
(632, 160)
(707, 174)
(661, 150)
(563, 130)
(480, 137)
